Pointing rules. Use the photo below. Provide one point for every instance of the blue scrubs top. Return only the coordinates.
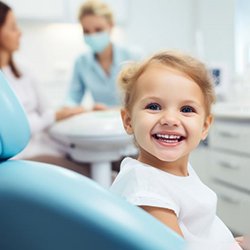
(89, 75)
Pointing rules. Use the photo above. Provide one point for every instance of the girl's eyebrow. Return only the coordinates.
(146, 98)
(192, 102)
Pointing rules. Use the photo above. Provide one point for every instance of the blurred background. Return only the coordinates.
(217, 31)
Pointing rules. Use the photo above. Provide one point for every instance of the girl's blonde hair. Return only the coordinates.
(97, 8)
(186, 64)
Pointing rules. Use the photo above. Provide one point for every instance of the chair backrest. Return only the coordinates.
(45, 207)
(14, 127)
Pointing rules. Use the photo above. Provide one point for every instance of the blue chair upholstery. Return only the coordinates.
(45, 207)
(14, 127)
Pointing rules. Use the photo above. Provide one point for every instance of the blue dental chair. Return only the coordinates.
(45, 207)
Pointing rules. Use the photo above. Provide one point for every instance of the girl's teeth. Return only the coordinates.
(168, 136)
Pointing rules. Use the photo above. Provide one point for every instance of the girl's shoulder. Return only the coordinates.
(130, 165)
(138, 175)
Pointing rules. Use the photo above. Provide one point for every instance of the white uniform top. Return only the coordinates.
(192, 201)
(39, 115)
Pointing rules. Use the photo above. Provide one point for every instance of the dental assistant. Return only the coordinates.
(97, 70)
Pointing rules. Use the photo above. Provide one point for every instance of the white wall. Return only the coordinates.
(242, 50)
(201, 27)
(216, 22)
(160, 24)
(49, 50)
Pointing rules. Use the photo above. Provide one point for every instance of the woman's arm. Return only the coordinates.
(77, 87)
(67, 112)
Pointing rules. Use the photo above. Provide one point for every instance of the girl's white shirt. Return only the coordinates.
(39, 114)
(192, 201)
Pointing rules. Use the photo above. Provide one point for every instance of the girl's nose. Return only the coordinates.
(170, 119)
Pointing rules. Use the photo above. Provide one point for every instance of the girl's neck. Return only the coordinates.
(179, 167)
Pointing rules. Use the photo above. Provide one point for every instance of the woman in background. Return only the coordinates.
(41, 147)
(97, 70)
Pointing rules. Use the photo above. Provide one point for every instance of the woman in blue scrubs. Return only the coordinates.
(97, 70)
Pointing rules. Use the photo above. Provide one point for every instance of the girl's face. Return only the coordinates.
(168, 118)
(10, 34)
(94, 24)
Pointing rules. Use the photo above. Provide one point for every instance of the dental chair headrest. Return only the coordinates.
(14, 127)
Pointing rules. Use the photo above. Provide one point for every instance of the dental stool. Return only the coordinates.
(45, 207)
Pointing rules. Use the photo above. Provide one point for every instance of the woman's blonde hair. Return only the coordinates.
(186, 64)
(97, 8)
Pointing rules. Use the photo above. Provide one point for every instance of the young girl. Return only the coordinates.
(167, 107)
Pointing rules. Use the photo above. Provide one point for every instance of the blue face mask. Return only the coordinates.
(98, 41)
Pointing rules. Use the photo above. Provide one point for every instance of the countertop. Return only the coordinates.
(230, 110)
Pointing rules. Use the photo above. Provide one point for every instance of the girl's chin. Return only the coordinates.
(166, 158)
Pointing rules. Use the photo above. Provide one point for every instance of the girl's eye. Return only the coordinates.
(187, 109)
(153, 106)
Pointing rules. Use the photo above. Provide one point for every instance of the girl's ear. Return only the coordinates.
(207, 124)
(126, 119)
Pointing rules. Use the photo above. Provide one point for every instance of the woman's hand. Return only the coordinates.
(100, 107)
(67, 112)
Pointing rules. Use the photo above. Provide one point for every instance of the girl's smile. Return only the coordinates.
(168, 139)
